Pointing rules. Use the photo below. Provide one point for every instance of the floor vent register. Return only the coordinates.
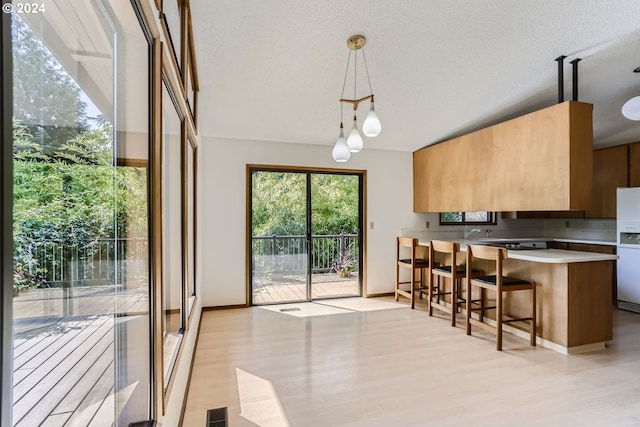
(217, 417)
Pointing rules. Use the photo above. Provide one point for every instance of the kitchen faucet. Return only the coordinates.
(467, 232)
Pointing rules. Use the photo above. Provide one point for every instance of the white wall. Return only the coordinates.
(222, 208)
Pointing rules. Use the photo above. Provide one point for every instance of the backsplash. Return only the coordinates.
(579, 229)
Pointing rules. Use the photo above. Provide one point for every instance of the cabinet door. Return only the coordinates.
(602, 249)
(586, 247)
(634, 164)
(557, 245)
(610, 170)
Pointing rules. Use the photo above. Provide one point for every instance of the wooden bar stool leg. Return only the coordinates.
(499, 321)
(430, 295)
(454, 300)
(413, 289)
(482, 297)
(533, 315)
(468, 316)
(397, 280)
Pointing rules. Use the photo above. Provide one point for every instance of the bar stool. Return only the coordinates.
(450, 250)
(500, 284)
(415, 263)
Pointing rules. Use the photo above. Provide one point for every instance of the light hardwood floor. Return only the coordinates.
(400, 367)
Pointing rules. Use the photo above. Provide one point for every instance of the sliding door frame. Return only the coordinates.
(6, 218)
(362, 175)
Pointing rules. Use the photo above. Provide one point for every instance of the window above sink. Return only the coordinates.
(468, 218)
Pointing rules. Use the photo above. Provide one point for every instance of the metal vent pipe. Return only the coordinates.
(560, 60)
(574, 63)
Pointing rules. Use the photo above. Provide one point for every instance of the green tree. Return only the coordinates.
(46, 99)
(279, 203)
(67, 190)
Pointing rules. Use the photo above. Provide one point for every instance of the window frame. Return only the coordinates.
(492, 219)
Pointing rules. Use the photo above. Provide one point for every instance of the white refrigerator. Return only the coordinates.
(628, 232)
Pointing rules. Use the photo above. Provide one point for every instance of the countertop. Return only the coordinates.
(547, 256)
(588, 242)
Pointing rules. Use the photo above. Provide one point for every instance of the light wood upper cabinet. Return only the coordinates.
(634, 164)
(610, 170)
(540, 161)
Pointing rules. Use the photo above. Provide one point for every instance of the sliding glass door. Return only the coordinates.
(335, 238)
(305, 235)
(279, 249)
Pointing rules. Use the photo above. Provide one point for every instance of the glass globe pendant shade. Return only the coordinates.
(341, 152)
(631, 108)
(354, 141)
(371, 126)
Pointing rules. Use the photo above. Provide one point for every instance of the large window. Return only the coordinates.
(96, 195)
(467, 218)
(81, 278)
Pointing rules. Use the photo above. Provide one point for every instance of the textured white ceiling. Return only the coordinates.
(273, 69)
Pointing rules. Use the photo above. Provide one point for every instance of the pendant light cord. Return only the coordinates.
(364, 58)
(344, 83)
(355, 73)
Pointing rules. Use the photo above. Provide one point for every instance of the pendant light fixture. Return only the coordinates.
(341, 152)
(371, 127)
(631, 108)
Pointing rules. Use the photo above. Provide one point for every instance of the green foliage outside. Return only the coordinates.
(66, 188)
(279, 204)
(451, 217)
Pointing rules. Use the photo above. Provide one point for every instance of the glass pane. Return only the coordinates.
(191, 94)
(279, 245)
(172, 232)
(335, 225)
(172, 18)
(132, 349)
(451, 217)
(80, 222)
(191, 218)
(477, 216)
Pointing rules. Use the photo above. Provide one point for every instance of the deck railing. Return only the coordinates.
(50, 263)
(290, 253)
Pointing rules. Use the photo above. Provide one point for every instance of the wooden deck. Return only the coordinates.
(63, 361)
(294, 288)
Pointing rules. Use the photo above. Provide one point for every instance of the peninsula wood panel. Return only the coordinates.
(573, 301)
(610, 170)
(634, 164)
(590, 304)
(540, 161)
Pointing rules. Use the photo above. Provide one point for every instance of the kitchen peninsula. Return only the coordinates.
(574, 300)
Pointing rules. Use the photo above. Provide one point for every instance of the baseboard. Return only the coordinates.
(224, 307)
(559, 348)
(383, 294)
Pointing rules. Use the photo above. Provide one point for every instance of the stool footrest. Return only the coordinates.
(493, 307)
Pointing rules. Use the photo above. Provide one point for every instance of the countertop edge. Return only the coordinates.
(547, 256)
(587, 242)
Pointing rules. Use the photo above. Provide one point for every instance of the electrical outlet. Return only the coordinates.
(426, 224)
(567, 224)
(371, 225)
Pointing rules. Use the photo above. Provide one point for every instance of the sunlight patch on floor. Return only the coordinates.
(259, 402)
(304, 309)
(362, 304)
(332, 306)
